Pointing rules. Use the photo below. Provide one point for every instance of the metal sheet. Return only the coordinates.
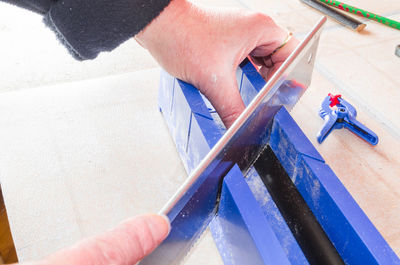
(195, 204)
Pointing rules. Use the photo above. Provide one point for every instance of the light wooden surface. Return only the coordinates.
(77, 158)
(7, 249)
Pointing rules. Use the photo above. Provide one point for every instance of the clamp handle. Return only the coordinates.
(363, 132)
(344, 116)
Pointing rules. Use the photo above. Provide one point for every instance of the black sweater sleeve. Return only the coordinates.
(88, 27)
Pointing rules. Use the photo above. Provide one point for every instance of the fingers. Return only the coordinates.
(270, 64)
(223, 93)
(270, 37)
(278, 59)
(265, 53)
(283, 53)
(126, 244)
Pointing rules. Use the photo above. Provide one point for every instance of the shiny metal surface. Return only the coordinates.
(196, 202)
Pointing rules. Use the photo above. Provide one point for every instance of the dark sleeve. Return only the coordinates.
(88, 27)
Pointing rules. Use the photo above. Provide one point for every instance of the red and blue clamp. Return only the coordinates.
(343, 116)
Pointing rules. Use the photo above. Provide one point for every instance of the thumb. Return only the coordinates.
(224, 95)
(126, 244)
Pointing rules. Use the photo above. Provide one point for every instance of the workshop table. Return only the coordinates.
(76, 158)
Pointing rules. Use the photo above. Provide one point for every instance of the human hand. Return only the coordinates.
(205, 46)
(126, 244)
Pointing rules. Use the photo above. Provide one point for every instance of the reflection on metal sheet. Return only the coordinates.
(195, 203)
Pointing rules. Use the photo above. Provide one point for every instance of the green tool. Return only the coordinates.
(363, 13)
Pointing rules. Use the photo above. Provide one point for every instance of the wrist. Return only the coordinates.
(164, 23)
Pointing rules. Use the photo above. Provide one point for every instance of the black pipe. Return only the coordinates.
(311, 237)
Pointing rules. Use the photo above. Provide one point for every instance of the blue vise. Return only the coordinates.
(343, 116)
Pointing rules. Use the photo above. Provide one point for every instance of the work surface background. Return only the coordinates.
(83, 146)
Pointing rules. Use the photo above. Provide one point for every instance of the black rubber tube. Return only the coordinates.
(311, 237)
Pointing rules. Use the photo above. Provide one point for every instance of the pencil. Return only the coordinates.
(335, 14)
(363, 13)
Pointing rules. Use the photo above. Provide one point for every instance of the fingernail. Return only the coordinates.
(160, 226)
(168, 222)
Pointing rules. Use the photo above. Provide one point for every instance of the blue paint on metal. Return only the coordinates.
(194, 99)
(275, 219)
(347, 226)
(251, 83)
(198, 146)
(286, 127)
(165, 95)
(239, 78)
(195, 129)
(287, 141)
(201, 129)
(181, 117)
(187, 118)
(350, 230)
(249, 237)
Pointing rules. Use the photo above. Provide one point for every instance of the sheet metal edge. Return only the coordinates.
(187, 226)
